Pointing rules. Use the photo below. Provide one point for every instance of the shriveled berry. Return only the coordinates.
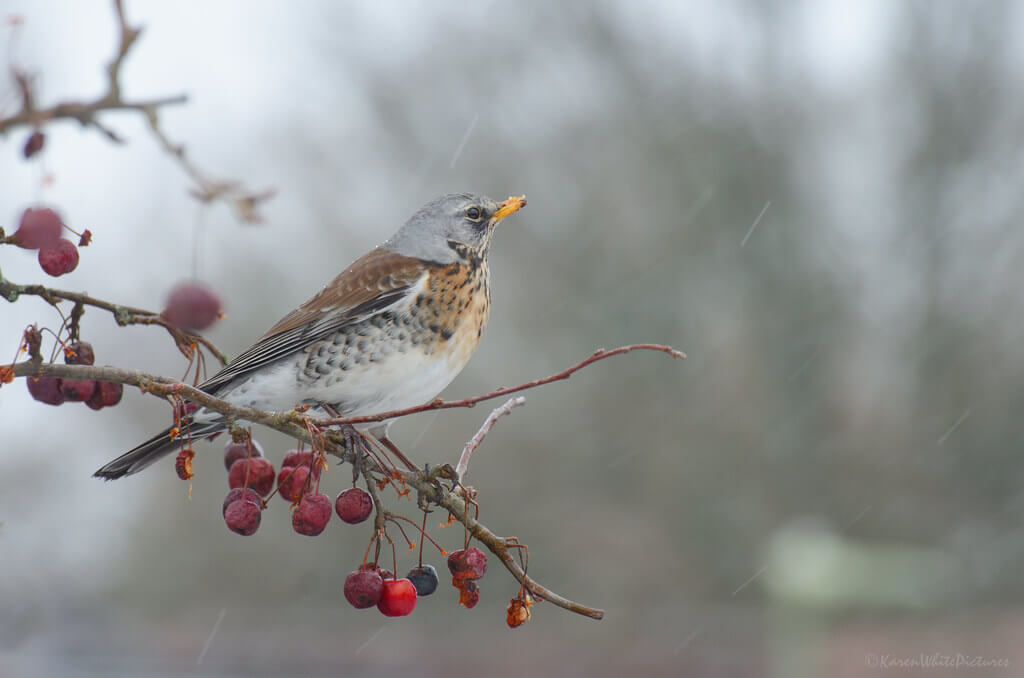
(59, 257)
(34, 144)
(45, 390)
(518, 612)
(79, 353)
(257, 473)
(243, 517)
(234, 451)
(424, 578)
(469, 593)
(107, 394)
(183, 463)
(312, 514)
(38, 228)
(384, 573)
(77, 391)
(354, 505)
(363, 588)
(398, 598)
(239, 494)
(192, 306)
(468, 563)
(291, 482)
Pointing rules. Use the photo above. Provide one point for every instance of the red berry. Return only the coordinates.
(183, 463)
(238, 494)
(468, 563)
(257, 473)
(354, 505)
(45, 390)
(291, 482)
(363, 588)
(192, 306)
(296, 458)
(34, 144)
(59, 257)
(107, 394)
(38, 228)
(424, 578)
(234, 451)
(398, 598)
(242, 517)
(77, 391)
(79, 353)
(312, 514)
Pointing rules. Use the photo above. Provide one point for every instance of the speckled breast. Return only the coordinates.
(406, 355)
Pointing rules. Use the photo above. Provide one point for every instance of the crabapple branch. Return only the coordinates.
(474, 442)
(423, 481)
(291, 423)
(123, 315)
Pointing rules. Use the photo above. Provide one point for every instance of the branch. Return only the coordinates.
(123, 315)
(475, 441)
(439, 404)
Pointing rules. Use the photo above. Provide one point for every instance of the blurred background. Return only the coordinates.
(817, 201)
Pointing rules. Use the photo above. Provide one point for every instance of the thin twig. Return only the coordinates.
(85, 112)
(439, 404)
(474, 442)
(243, 201)
(123, 315)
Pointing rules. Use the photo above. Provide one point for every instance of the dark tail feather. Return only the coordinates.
(153, 449)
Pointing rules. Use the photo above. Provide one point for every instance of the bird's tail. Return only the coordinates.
(153, 449)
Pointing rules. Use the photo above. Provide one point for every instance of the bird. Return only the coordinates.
(390, 331)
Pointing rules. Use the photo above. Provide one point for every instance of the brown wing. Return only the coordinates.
(373, 283)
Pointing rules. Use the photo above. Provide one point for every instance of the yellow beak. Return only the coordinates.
(510, 206)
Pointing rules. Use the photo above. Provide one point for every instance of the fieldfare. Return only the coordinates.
(391, 331)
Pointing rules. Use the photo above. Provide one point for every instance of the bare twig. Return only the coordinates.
(439, 404)
(474, 442)
(123, 315)
(243, 201)
(85, 112)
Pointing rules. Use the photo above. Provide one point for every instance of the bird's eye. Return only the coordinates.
(473, 213)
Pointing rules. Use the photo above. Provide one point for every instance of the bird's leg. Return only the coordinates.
(354, 443)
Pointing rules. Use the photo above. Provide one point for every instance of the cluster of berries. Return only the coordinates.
(371, 586)
(95, 394)
(42, 229)
(251, 478)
